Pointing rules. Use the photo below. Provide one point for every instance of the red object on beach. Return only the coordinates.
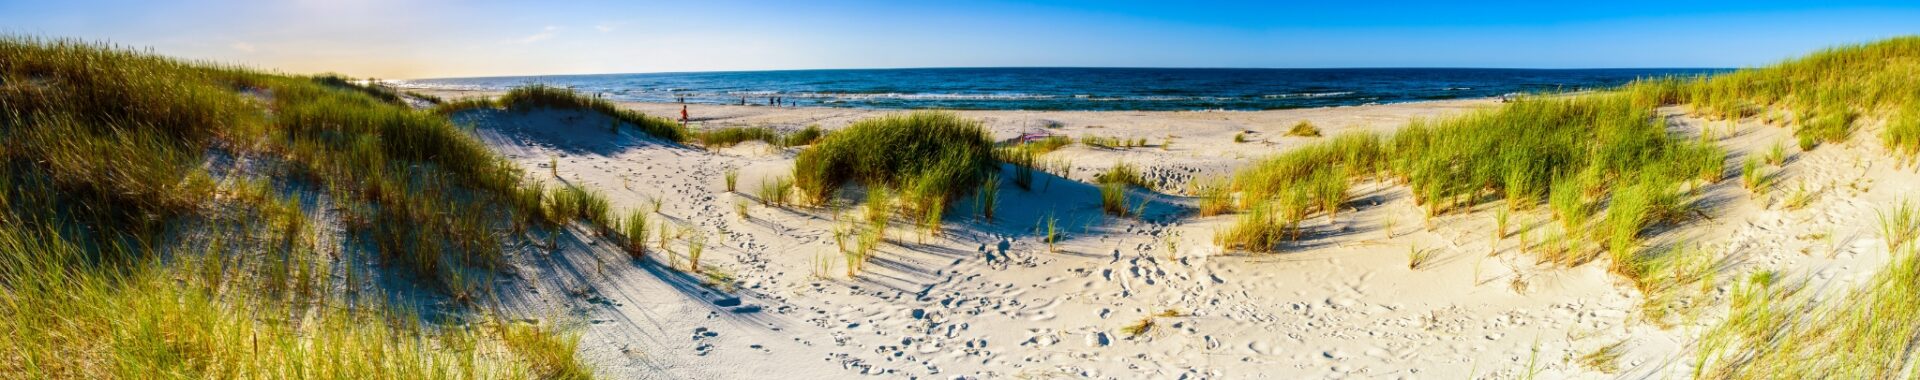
(683, 114)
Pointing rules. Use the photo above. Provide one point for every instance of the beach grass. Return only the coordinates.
(1902, 135)
(776, 191)
(988, 196)
(633, 232)
(730, 136)
(731, 176)
(930, 158)
(544, 96)
(1123, 173)
(1113, 199)
(1304, 129)
(1779, 329)
(1828, 93)
(1899, 224)
(108, 162)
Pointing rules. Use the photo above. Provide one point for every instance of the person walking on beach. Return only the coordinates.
(683, 115)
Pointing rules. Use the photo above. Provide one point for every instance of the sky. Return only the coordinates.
(405, 39)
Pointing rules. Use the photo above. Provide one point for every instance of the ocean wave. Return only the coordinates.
(917, 96)
(1307, 95)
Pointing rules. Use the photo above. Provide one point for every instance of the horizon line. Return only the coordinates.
(1078, 67)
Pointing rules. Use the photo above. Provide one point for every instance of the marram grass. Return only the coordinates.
(110, 164)
(931, 158)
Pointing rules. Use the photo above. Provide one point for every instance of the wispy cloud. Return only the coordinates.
(242, 46)
(607, 27)
(544, 34)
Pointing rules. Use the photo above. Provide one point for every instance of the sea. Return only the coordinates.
(1151, 89)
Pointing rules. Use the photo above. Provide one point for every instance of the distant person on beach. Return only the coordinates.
(683, 115)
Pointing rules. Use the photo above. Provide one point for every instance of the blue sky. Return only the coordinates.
(443, 38)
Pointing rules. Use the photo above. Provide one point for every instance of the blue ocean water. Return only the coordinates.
(1074, 88)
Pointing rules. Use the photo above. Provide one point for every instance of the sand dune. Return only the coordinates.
(990, 300)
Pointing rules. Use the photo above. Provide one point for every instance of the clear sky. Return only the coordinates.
(447, 38)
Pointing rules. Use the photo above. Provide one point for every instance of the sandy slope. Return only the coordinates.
(990, 300)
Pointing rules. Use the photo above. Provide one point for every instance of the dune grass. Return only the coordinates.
(988, 196)
(110, 164)
(732, 178)
(1605, 359)
(1022, 159)
(1787, 330)
(69, 324)
(1123, 173)
(1107, 142)
(544, 96)
(1754, 178)
(1419, 258)
(1776, 154)
(1279, 193)
(1902, 135)
(931, 158)
(776, 191)
(633, 232)
(1048, 144)
(1215, 195)
(730, 136)
(1828, 93)
(1113, 199)
(1304, 129)
(1899, 224)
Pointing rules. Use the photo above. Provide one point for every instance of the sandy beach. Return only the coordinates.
(959, 190)
(991, 300)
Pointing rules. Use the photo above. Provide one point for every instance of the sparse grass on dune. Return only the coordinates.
(1782, 330)
(1123, 173)
(1048, 144)
(931, 158)
(1113, 198)
(106, 169)
(1899, 224)
(1280, 192)
(534, 96)
(1607, 167)
(633, 231)
(383, 93)
(1902, 135)
(1304, 129)
(730, 136)
(1828, 92)
(1108, 142)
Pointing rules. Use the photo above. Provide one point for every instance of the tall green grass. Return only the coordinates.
(1829, 93)
(1281, 192)
(1595, 159)
(1902, 135)
(1781, 330)
(931, 158)
(109, 165)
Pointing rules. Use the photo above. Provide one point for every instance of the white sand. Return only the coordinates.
(987, 300)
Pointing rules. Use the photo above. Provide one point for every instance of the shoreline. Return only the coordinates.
(456, 94)
(1182, 146)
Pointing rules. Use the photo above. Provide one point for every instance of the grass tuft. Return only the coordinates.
(1304, 129)
(1899, 225)
(932, 157)
(544, 96)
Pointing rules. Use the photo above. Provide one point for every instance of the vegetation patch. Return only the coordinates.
(544, 96)
(931, 158)
(128, 249)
